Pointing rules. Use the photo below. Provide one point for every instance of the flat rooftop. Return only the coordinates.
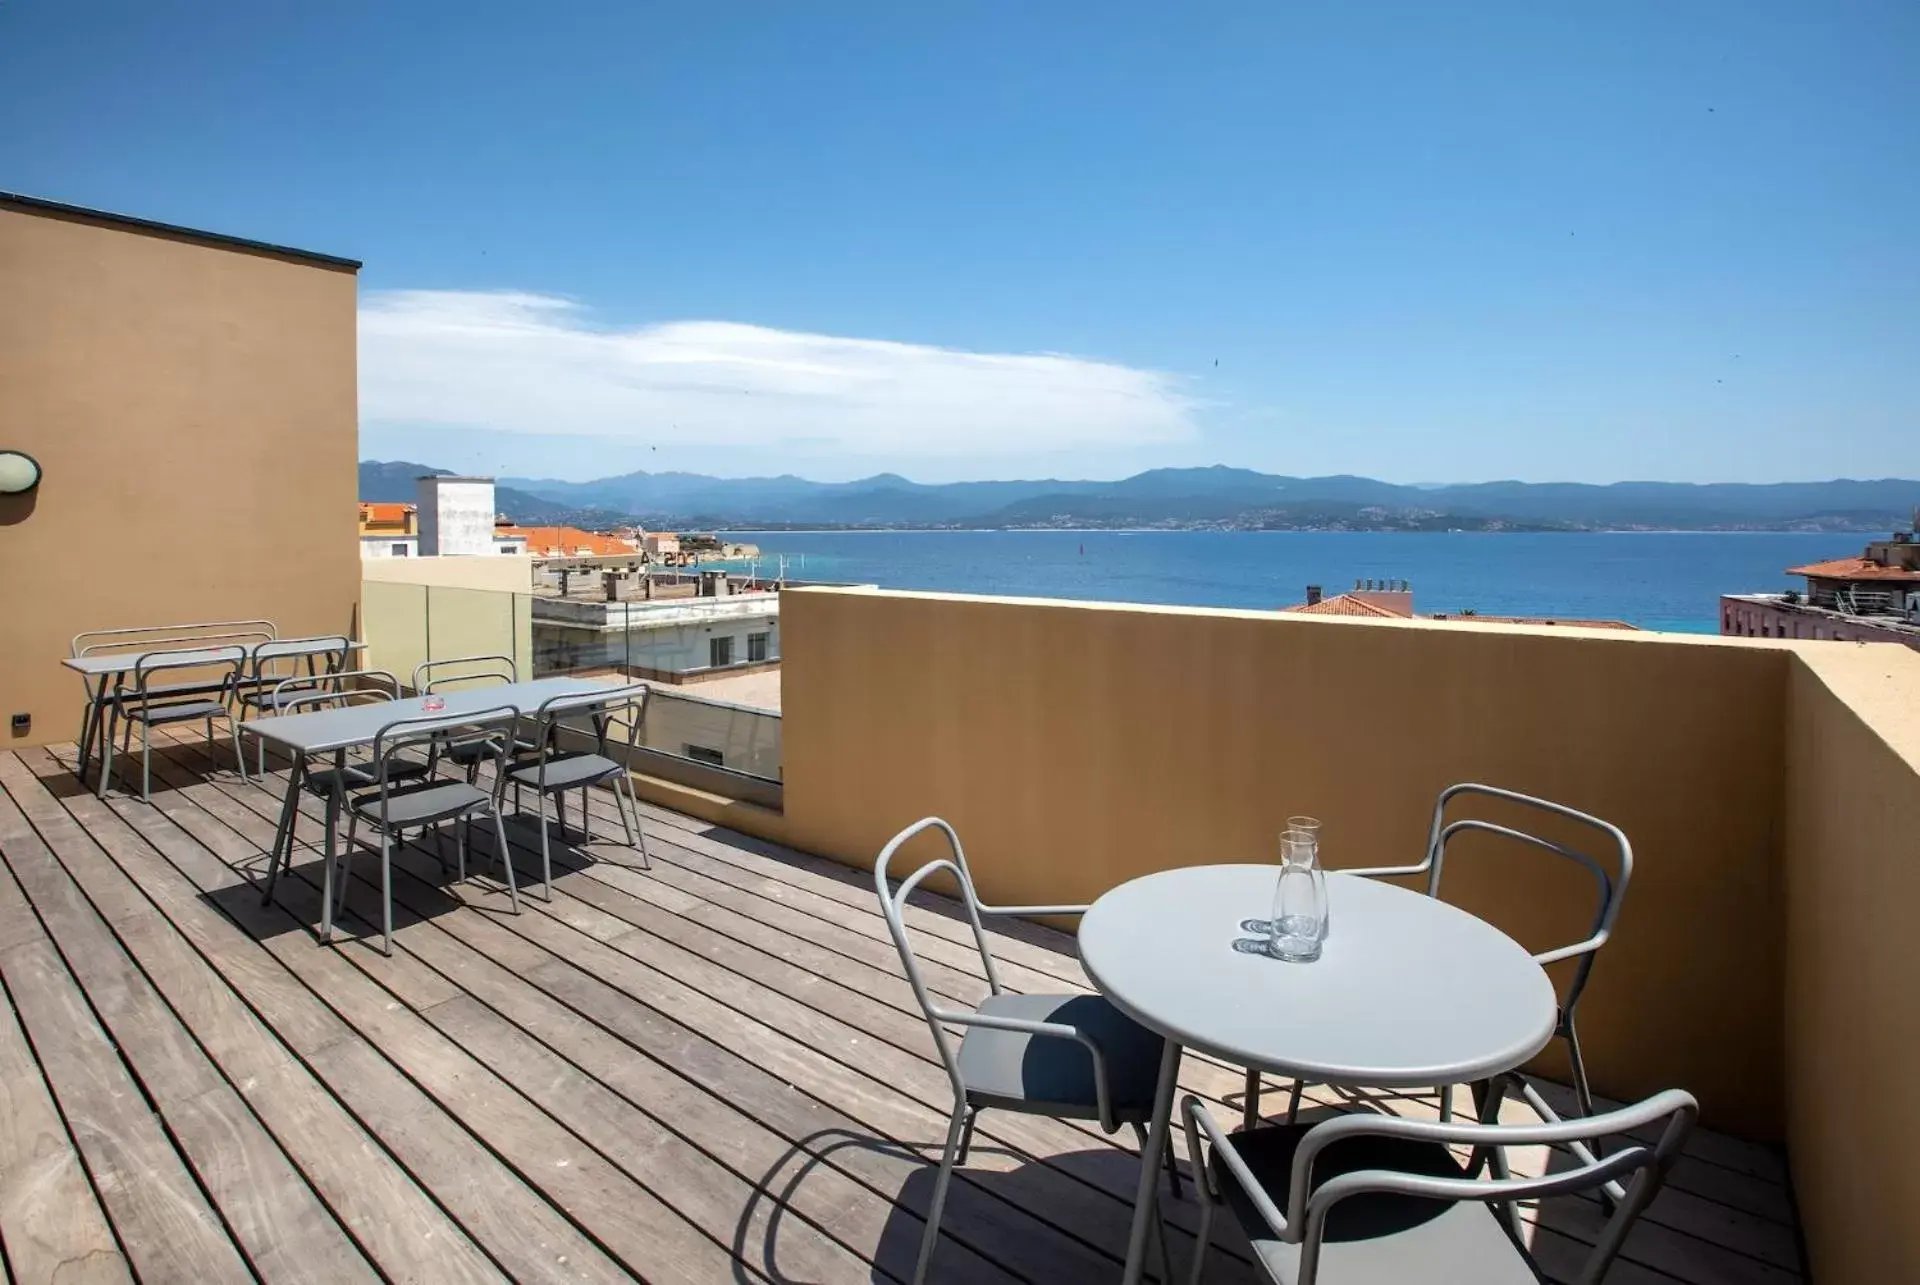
(1778, 602)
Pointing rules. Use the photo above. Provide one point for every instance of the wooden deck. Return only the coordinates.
(711, 1071)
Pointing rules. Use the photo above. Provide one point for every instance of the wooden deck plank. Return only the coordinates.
(51, 1223)
(395, 1222)
(285, 1230)
(736, 1016)
(164, 1223)
(556, 1206)
(520, 1230)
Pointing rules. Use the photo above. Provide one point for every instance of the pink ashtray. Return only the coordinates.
(433, 704)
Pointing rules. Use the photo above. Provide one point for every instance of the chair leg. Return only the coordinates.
(327, 872)
(346, 864)
(966, 1137)
(1203, 1238)
(586, 815)
(239, 755)
(546, 846)
(1173, 1172)
(506, 860)
(954, 1129)
(460, 847)
(620, 806)
(1446, 1103)
(106, 749)
(1250, 1112)
(1293, 1099)
(1156, 1228)
(1581, 1088)
(386, 890)
(146, 762)
(639, 829)
(1583, 1093)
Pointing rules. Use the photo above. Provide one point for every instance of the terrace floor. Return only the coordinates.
(711, 1071)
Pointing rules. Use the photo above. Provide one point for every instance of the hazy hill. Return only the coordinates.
(393, 482)
(1212, 496)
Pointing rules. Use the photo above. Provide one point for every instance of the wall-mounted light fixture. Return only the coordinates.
(19, 472)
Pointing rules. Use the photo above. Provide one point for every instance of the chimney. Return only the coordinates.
(1313, 595)
(612, 581)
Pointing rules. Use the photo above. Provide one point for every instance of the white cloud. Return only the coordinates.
(530, 363)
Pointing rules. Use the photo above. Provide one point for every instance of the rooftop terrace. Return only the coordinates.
(711, 1070)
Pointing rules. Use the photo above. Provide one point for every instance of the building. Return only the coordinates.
(671, 639)
(660, 545)
(1872, 598)
(460, 512)
(568, 542)
(457, 517)
(192, 403)
(388, 530)
(1393, 600)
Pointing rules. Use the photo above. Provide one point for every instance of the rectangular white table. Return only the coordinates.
(112, 667)
(302, 737)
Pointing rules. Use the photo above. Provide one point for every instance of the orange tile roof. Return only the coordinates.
(567, 541)
(1853, 569)
(1343, 604)
(376, 511)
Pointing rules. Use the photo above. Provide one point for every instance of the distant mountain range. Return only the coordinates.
(1215, 497)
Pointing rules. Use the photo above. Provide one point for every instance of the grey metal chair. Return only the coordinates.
(452, 672)
(557, 769)
(400, 801)
(1070, 1056)
(273, 663)
(141, 640)
(148, 704)
(1610, 887)
(1370, 1199)
(348, 772)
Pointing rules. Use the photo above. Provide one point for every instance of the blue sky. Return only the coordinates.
(1422, 242)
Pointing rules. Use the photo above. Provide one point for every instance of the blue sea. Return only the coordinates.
(1664, 580)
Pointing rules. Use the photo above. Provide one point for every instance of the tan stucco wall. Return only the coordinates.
(1852, 862)
(504, 572)
(1078, 745)
(193, 407)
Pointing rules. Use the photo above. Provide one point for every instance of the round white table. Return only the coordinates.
(1408, 990)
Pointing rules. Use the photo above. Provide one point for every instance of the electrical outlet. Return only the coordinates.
(22, 724)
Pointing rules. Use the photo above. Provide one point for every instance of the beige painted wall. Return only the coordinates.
(1852, 862)
(193, 407)
(1079, 745)
(409, 623)
(505, 572)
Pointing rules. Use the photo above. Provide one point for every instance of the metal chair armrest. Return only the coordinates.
(1033, 910)
(1586, 947)
(1387, 872)
(1199, 1117)
(1103, 1099)
(1553, 1132)
(1485, 1190)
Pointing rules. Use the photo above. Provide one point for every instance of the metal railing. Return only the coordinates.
(715, 745)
